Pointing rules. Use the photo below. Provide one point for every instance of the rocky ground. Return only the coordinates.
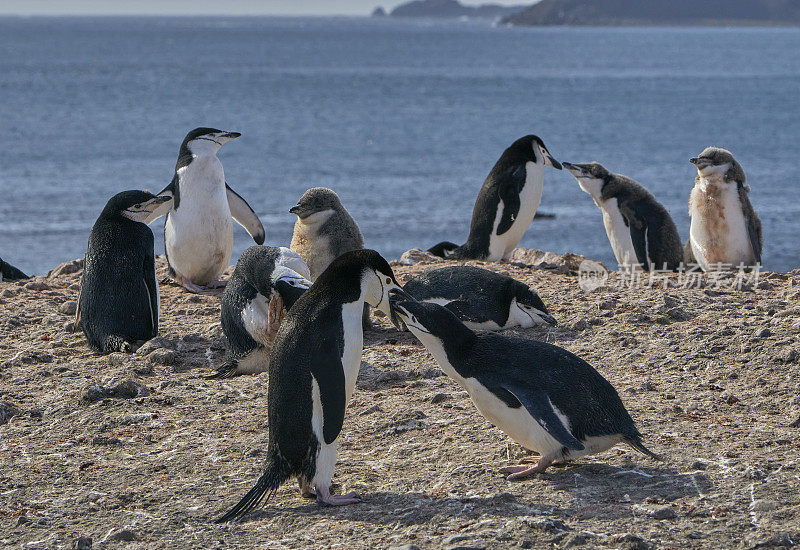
(141, 451)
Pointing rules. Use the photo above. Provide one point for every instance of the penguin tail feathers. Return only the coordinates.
(114, 343)
(444, 249)
(226, 370)
(636, 443)
(272, 478)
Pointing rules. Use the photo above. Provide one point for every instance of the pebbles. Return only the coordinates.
(127, 389)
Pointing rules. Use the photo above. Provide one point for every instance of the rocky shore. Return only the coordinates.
(140, 451)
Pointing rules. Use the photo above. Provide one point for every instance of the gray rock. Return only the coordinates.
(790, 356)
(126, 389)
(679, 314)
(67, 268)
(37, 285)
(68, 308)
(439, 397)
(607, 304)
(163, 357)
(156, 343)
(763, 505)
(405, 547)
(7, 410)
(415, 256)
(125, 535)
(663, 513)
(763, 333)
(82, 543)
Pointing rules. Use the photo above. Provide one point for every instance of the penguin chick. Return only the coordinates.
(312, 375)
(324, 230)
(639, 228)
(118, 303)
(265, 284)
(725, 229)
(542, 396)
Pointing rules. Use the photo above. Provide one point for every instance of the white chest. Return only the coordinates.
(501, 246)
(353, 344)
(255, 317)
(718, 231)
(619, 234)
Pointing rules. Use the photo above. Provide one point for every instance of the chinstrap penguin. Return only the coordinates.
(481, 299)
(542, 396)
(506, 203)
(324, 230)
(10, 273)
(198, 232)
(639, 228)
(119, 301)
(265, 284)
(724, 227)
(312, 374)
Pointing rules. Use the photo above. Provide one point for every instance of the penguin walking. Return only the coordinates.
(10, 273)
(198, 232)
(506, 203)
(542, 396)
(725, 229)
(265, 284)
(324, 230)
(640, 230)
(481, 299)
(119, 301)
(312, 374)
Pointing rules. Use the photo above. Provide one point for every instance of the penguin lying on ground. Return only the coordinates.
(542, 396)
(506, 203)
(119, 301)
(725, 229)
(639, 228)
(265, 284)
(198, 232)
(481, 299)
(10, 273)
(312, 375)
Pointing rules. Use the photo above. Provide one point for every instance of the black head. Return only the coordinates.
(426, 320)
(316, 200)
(205, 141)
(591, 176)
(715, 160)
(532, 149)
(134, 205)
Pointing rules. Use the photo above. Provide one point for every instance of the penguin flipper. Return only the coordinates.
(225, 370)
(638, 229)
(538, 404)
(244, 215)
(753, 223)
(328, 372)
(149, 274)
(509, 194)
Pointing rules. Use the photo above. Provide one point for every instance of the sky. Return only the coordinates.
(206, 7)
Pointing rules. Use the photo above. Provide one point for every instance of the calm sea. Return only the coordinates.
(403, 119)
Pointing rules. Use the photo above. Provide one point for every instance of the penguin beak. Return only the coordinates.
(550, 161)
(295, 209)
(699, 162)
(397, 296)
(549, 319)
(232, 135)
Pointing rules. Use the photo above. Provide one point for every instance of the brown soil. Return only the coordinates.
(710, 376)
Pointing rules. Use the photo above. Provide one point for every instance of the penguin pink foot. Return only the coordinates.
(324, 497)
(217, 283)
(187, 284)
(521, 472)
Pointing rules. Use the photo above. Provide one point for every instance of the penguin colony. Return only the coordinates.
(297, 313)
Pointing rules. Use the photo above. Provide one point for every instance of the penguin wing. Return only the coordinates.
(164, 208)
(509, 191)
(327, 370)
(245, 216)
(753, 223)
(538, 404)
(149, 274)
(639, 233)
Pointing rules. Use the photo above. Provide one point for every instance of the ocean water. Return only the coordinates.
(403, 119)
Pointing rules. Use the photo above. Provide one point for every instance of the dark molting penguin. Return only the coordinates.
(542, 396)
(481, 299)
(198, 233)
(312, 374)
(119, 301)
(265, 284)
(506, 204)
(725, 229)
(639, 228)
(10, 273)
(324, 229)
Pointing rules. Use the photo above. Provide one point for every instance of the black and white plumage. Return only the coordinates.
(542, 396)
(312, 374)
(639, 228)
(481, 299)
(119, 300)
(506, 203)
(725, 229)
(10, 273)
(198, 232)
(265, 284)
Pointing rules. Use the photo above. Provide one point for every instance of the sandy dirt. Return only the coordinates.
(140, 451)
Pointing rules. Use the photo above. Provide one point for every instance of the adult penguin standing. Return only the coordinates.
(119, 301)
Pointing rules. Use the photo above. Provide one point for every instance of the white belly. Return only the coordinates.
(718, 231)
(619, 234)
(255, 317)
(199, 234)
(353, 344)
(501, 246)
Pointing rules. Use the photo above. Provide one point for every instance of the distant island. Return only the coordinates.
(449, 9)
(658, 12)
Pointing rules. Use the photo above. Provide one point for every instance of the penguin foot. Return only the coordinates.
(189, 285)
(325, 498)
(217, 283)
(522, 472)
